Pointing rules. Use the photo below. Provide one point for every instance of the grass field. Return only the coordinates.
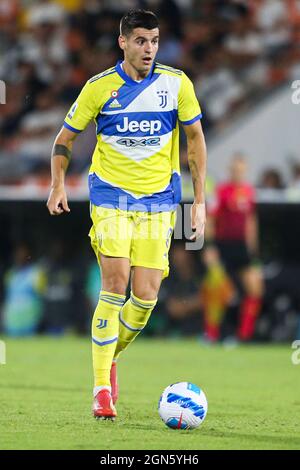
(45, 396)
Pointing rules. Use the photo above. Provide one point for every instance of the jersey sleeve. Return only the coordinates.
(189, 110)
(82, 111)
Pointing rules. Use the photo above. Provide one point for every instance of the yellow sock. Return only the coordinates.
(133, 318)
(105, 331)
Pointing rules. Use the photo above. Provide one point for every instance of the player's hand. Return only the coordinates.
(57, 202)
(198, 219)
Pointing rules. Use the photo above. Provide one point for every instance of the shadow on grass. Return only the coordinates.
(44, 388)
(264, 439)
(289, 441)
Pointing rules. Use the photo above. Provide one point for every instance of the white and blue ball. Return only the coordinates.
(182, 405)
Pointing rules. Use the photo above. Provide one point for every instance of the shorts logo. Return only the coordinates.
(163, 95)
(129, 142)
(143, 126)
(102, 323)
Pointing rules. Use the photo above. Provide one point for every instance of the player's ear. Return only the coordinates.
(121, 41)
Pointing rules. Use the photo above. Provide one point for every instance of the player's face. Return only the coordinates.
(140, 48)
(238, 171)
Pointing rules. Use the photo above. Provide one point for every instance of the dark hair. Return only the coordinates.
(137, 19)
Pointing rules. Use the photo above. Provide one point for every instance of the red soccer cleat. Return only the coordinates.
(103, 407)
(114, 382)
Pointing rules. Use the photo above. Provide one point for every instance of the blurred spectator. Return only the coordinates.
(199, 36)
(269, 13)
(216, 293)
(24, 286)
(37, 129)
(295, 175)
(281, 319)
(273, 23)
(217, 87)
(63, 300)
(233, 225)
(43, 43)
(93, 285)
(170, 47)
(271, 179)
(182, 304)
(170, 13)
(44, 12)
(9, 10)
(293, 191)
(243, 44)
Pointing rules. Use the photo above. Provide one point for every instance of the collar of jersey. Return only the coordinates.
(128, 79)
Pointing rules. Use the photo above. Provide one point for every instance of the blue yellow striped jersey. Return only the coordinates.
(135, 163)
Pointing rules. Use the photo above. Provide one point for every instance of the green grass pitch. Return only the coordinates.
(45, 396)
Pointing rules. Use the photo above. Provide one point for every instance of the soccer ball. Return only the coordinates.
(182, 405)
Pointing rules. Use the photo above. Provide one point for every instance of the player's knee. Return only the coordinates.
(116, 284)
(146, 292)
(255, 290)
(253, 282)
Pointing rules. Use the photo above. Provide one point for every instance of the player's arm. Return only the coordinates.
(60, 158)
(77, 119)
(197, 163)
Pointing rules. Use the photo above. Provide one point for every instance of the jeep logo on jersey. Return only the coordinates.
(129, 142)
(143, 126)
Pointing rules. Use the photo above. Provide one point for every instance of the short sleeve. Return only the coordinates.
(188, 106)
(82, 111)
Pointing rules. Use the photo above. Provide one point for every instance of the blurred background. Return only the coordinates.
(244, 60)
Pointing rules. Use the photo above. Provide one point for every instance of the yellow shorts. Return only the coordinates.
(142, 237)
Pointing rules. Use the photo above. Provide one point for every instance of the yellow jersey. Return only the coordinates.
(135, 164)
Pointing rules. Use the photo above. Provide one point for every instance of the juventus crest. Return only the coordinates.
(163, 96)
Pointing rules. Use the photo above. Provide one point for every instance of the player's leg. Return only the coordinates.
(145, 284)
(113, 256)
(149, 258)
(105, 331)
(252, 280)
(105, 324)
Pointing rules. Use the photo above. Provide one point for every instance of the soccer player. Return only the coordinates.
(233, 224)
(134, 183)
